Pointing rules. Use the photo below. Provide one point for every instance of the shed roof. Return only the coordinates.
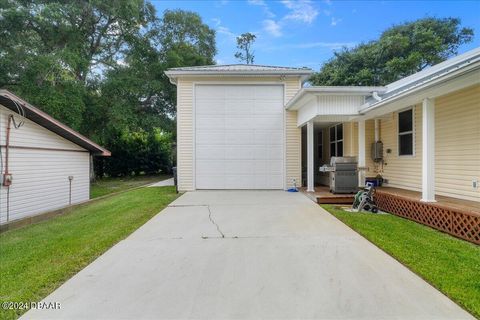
(9, 100)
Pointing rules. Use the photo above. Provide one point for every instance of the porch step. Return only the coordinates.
(322, 195)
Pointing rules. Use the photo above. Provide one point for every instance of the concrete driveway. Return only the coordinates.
(246, 255)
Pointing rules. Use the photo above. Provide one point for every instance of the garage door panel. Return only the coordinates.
(239, 92)
(275, 153)
(239, 122)
(239, 152)
(267, 107)
(269, 93)
(267, 122)
(210, 122)
(239, 181)
(209, 152)
(211, 166)
(210, 93)
(274, 167)
(211, 181)
(239, 137)
(239, 167)
(210, 137)
(212, 107)
(234, 107)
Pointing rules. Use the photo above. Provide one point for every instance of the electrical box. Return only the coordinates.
(377, 151)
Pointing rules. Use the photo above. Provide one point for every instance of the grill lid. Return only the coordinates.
(346, 160)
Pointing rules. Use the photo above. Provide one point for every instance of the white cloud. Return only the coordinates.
(335, 21)
(225, 31)
(272, 27)
(264, 5)
(301, 10)
(216, 21)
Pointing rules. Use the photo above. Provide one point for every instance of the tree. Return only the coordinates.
(244, 45)
(51, 51)
(400, 51)
(99, 67)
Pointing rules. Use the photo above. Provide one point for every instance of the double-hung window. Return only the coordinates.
(336, 140)
(406, 133)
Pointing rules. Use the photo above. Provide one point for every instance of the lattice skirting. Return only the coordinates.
(461, 224)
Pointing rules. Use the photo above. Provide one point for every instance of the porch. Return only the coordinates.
(460, 218)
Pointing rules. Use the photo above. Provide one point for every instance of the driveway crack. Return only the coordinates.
(213, 221)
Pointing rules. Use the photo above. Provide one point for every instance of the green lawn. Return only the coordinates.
(105, 186)
(449, 264)
(38, 258)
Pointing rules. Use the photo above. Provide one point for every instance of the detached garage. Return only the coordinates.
(45, 165)
(233, 131)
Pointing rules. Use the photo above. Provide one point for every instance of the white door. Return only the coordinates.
(239, 134)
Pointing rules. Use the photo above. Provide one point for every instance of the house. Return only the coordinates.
(240, 127)
(45, 165)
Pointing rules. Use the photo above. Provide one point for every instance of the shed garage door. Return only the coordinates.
(239, 137)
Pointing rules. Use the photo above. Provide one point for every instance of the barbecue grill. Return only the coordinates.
(343, 174)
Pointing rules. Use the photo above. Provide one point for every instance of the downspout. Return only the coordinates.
(377, 130)
(6, 176)
(6, 181)
(377, 121)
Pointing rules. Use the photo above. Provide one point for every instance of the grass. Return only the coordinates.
(106, 186)
(449, 264)
(37, 259)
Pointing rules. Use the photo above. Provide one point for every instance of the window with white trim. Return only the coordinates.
(336, 140)
(406, 133)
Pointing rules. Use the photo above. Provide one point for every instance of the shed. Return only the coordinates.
(45, 165)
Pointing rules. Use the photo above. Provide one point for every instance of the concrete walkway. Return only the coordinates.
(163, 183)
(246, 255)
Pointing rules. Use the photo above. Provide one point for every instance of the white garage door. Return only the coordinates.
(239, 137)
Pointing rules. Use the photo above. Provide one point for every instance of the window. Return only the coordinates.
(320, 145)
(336, 140)
(405, 133)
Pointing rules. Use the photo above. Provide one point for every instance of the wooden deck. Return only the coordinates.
(322, 195)
(460, 218)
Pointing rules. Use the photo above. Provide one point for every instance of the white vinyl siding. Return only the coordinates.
(40, 170)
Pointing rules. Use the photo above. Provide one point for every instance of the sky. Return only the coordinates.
(305, 33)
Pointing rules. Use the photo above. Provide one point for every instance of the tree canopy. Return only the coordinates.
(244, 46)
(400, 51)
(99, 68)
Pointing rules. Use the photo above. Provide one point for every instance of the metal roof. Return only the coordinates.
(465, 62)
(253, 70)
(9, 100)
(241, 67)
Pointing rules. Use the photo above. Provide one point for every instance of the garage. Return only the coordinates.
(239, 136)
